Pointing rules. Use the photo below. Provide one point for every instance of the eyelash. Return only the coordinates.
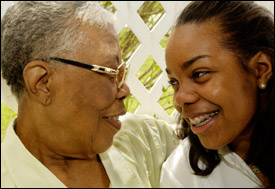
(172, 82)
(195, 75)
(198, 74)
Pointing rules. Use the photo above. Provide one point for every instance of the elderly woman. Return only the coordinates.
(220, 62)
(63, 63)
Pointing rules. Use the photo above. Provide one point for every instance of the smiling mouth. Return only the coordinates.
(112, 118)
(203, 119)
(114, 121)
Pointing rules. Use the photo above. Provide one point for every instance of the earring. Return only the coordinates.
(262, 86)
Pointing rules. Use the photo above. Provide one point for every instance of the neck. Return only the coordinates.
(74, 170)
(71, 165)
(242, 143)
(240, 147)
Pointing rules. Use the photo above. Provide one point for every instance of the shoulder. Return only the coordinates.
(144, 144)
(148, 131)
(176, 170)
(145, 127)
(8, 150)
(143, 121)
(179, 157)
(6, 179)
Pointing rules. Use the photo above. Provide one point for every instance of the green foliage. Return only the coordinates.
(6, 116)
(128, 43)
(148, 73)
(151, 12)
(131, 104)
(166, 100)
(109, 6)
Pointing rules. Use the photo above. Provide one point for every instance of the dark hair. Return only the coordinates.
(246, 29)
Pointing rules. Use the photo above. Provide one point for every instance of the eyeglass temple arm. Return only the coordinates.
(96, 68)
(73, 63)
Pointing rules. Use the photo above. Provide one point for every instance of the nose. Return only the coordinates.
(185, 96)
(123, 91)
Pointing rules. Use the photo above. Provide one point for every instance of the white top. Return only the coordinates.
(232, 171)
(134, 159)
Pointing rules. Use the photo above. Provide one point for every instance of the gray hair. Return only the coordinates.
(36, 29)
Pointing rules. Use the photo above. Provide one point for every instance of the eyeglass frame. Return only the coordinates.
(95, 68)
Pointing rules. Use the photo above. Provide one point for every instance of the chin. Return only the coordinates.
(212, 145)
(103, 147)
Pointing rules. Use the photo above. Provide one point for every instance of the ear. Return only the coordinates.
(263, 65)
(36, 76)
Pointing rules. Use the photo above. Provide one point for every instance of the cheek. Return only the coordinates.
(97, 93)
(245, 99)
(101, 96)
(89, 88)
(242, 98)
(235, 92)
(237, 99)
(176, 105)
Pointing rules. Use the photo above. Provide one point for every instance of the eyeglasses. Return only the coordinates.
(121, 72)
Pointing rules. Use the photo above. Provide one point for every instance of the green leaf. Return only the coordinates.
(6, 116)
(163, 89)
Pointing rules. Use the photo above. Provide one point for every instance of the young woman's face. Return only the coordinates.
(214, 95)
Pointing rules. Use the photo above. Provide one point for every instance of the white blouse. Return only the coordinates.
(232, 171)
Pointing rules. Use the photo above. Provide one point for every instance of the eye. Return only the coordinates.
(199, 74)
(173, 82)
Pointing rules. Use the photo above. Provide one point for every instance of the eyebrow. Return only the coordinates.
(188, 63)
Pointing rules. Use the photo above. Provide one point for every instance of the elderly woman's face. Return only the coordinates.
(212, 92)
(87, 104)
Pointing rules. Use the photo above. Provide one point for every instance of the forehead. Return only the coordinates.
(99, 46)
(193, 39)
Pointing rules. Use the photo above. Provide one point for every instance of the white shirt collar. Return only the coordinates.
(235, 161)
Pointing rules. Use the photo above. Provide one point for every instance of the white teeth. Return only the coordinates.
(201, 120)
(113, 118)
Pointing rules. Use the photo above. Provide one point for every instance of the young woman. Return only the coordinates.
(220, 62)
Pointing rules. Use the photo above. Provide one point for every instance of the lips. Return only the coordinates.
(201, 120)
(113, 120)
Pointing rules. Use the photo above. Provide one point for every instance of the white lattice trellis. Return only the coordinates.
(128, 17)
